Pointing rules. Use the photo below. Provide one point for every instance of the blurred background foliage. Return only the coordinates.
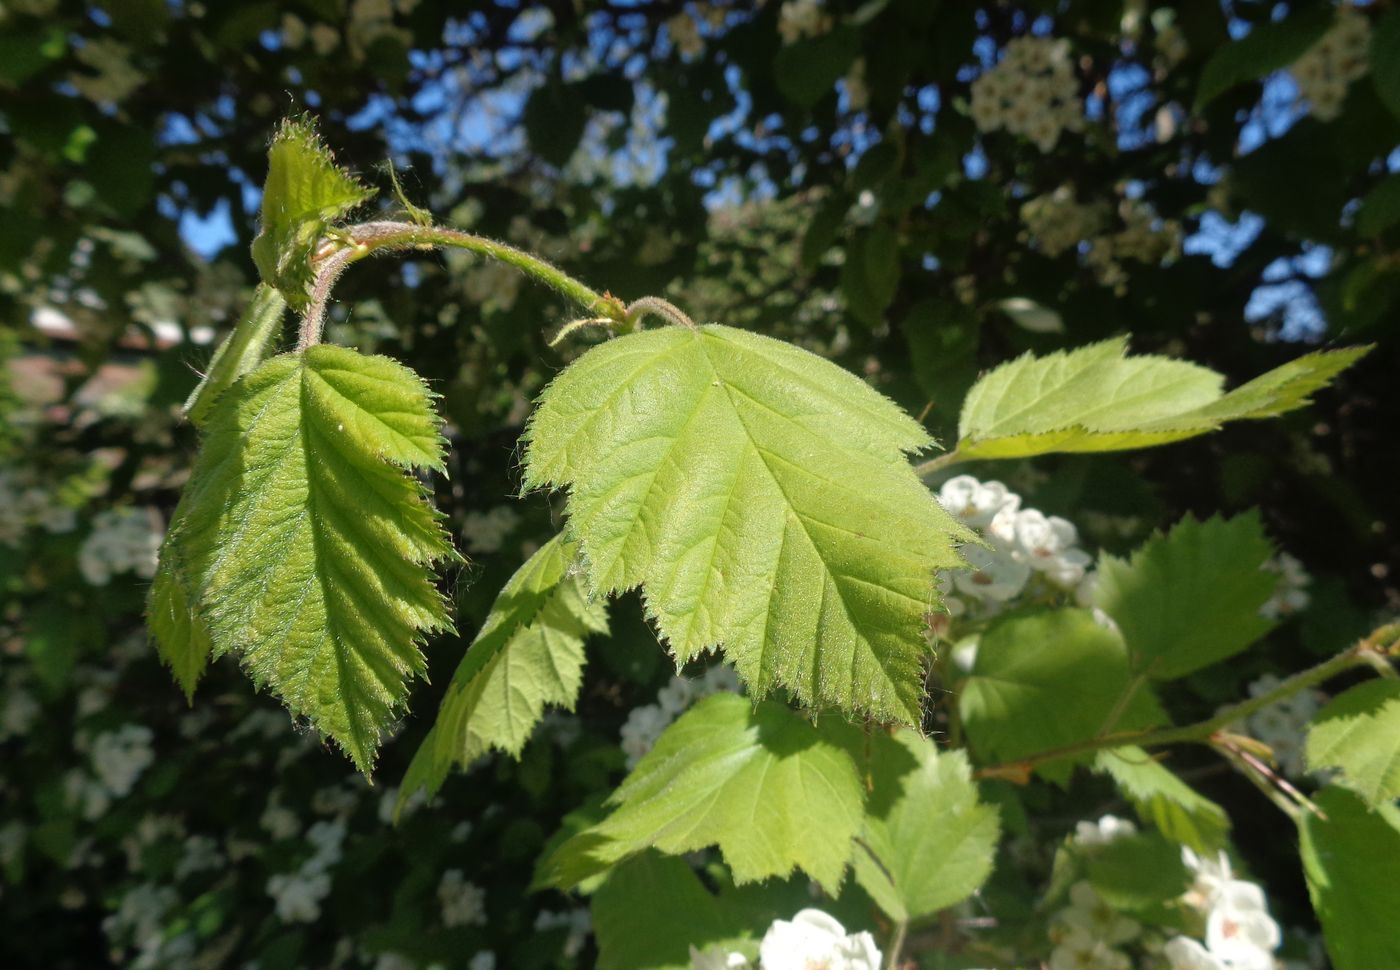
(826, 172)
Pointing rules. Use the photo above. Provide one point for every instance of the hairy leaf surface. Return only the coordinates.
(1359, 733)
(928, 841)
(528, 654)
(1049, 679)
(304, 547)
(249, 343)
(1350, 859)
(1177, 810)
(768, 787)
(1097, 398)
(762, 498)
(1190, 598)
(304, 193)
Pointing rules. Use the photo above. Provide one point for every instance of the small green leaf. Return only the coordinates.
(928, 841)
(1097, 398)
(1160, 797)
(1350, 858)
(1380, 209)
(653, 908)
(1135, 871)
(1359, 733)
(303, 545)
(1190, 598)
(1267, 47)
(1385, 66)
(774, 792)
(528, 654)
(762, 498)
(1045, 680)
(305, 193)
(180, 634)
(251, 341)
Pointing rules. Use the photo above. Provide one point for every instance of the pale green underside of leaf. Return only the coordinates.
(304, 547)
(1046, 680)
(304, 192)
(1190, 598)
(928, 842)
(772, 790)
(1161, 798)
(251, 341)
(1351, 858)
(1359, 733)
(763, 500)
(527, 655)
(1097, 398)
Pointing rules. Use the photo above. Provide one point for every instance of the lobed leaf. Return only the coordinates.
(1189, 598)
(762, 498)
(1358, 732)
(772, 790)
(1097, 398)
(304, 547)
(1048, 679)
(928, 841)
(1177, 810)
(528, 654)
(305, 192)
(1350, 857)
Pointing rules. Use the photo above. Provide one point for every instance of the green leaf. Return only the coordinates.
(1267, 47)
(1190, 598)
(1359, 733)
(1350, 858)
(305, 193)
(1135, 871)
(762, 498)
(1177, 810)
(653, 908)
(1385, 66)
(180, 633)
(771, 789)
(528, 654)
(1097, 398)
(1380, 209)
(249, 343)
(304, 547)
(928, 842)
(1045, 680)
(807, 71)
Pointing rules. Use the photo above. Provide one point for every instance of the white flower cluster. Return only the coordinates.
(486, 532)
(324, 38)
(20, 709)
(644, 724)
(371, 20)
(684, 28)
(1145, 238)
(1085, 933)
(1291, 593)
(463, 903)
(1024, 546)
(1031, 92)
(1240, 933)
(1283, 724)
(298, 894)
(140, 922)
(1058, 222)
(121, 541)
(1331, 64)
(24, 504)
(803, 18)
(120, 757)
(811, 939)
(577, 923)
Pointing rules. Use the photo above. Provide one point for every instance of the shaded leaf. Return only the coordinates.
(1266, 48)
(1177, 810)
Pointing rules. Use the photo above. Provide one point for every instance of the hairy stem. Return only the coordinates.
(1364, 653)
(937, 464)
(901, 930)
(368, 238)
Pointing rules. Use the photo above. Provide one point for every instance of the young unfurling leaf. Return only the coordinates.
(304, 547)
